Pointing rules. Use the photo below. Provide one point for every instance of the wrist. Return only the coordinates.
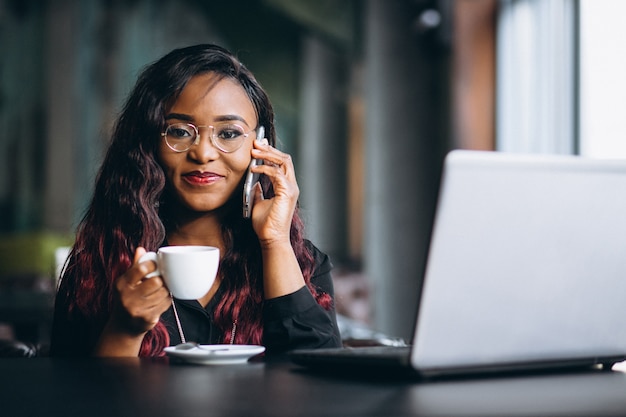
(275, 244)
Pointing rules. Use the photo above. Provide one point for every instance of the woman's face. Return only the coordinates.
(203, 177)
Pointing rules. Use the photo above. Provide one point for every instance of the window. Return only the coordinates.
(561, 83)
(602, 63)
(536, 77)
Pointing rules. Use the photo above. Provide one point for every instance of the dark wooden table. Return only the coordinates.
(156, 387)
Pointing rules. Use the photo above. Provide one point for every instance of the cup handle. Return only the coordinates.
(150, 256)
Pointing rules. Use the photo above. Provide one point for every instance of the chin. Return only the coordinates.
(209, 206)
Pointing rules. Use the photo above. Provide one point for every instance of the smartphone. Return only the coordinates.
(251, 179)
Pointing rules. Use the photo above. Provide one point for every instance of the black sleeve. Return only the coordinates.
(296, 320)
(72, 334)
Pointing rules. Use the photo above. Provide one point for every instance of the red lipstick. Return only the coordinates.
(201, 178)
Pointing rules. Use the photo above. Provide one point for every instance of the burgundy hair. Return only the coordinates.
(131, 207)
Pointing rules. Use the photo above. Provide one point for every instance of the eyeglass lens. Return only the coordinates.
(227, 137)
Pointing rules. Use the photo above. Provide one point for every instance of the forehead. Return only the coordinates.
(210, 96)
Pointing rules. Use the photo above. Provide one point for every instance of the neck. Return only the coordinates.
(204, 230)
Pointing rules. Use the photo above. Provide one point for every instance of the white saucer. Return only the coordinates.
(216, 354)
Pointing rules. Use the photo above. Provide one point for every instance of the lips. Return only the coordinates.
(199, 178)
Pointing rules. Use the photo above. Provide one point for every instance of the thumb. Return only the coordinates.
(139, 252)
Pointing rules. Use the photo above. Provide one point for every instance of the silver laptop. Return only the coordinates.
(526, 269)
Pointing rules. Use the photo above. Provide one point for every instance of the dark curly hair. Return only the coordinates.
(131, 207)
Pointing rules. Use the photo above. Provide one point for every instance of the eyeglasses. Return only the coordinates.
(226, 137)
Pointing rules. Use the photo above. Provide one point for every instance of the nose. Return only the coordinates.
(204, 151)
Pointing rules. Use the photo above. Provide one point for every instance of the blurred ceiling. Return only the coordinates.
(332, 18)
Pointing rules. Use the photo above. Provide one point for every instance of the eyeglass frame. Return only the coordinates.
(198, 137)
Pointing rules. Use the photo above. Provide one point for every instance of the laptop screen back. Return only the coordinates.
(527, 262)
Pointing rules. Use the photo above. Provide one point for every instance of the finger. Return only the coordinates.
(144, 296)
(146, 267)
(149, 287)
(271, 155)
(282, 161)
(158, 297)
(276, 172)
(258, 193)
(158, 309)
(163, 306)
(146, 315)
(285, 165)
(137, 272)
(261, 144)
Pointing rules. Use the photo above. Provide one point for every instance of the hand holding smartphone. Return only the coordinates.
(251, 179)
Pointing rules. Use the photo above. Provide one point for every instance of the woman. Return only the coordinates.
(173, 175)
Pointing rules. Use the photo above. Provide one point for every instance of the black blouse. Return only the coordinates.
(289, 322)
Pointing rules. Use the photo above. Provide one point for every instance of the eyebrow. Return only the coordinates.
(222, 118)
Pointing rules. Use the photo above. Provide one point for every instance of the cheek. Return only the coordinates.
(242, 166)
(240, 161)
(169, 163)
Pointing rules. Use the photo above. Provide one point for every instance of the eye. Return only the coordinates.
(229, 132)
(180, 131)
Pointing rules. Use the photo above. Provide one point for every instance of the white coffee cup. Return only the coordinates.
(188, 271)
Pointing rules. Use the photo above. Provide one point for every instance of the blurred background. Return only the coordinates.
(369, 96)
